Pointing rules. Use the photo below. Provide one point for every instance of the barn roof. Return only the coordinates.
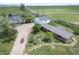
(57, 30)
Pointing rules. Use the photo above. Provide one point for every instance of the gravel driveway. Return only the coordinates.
(23, 33)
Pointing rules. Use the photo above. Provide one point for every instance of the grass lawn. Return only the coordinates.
(58, 50)
(38, 39)
(46, 50)
(5, 48)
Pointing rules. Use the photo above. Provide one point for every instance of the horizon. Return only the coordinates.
(40, 4)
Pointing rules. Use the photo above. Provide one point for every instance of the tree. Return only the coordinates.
(6, 28)
(22, 8)
(23, 11)
(29, 19)
(36, 28)
(9, 15)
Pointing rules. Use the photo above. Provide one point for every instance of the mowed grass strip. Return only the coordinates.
(47, 50)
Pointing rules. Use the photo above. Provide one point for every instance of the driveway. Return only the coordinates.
(23, 33)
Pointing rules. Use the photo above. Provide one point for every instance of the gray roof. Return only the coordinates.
(43, 18)
(15, 18)
(57, 30)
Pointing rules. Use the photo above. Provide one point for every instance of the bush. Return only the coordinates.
(31, 40)
(47, 38)
(29, 19)
(36, 28)
(8, 38)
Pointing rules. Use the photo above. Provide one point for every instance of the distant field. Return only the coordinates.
(69, 13)
(55, 9)
(7, 10)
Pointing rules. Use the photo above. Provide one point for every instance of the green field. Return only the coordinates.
(69, 13)
(7, 10)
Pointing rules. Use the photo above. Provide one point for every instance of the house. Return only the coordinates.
(42, 20)
(59, 32)
(14, 19)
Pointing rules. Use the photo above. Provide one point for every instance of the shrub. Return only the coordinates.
(47, 38)
(29, 19)
(31, 40)
(36, 28)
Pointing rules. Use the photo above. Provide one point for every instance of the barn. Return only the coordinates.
(59, 33)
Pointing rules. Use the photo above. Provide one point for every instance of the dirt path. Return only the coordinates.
(23, 32)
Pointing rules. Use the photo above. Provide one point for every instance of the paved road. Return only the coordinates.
(23, 32)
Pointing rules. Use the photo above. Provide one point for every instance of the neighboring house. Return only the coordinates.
(42, 19)
(14, 19)
(59, 32)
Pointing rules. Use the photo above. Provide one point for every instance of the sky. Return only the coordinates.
(41, 2)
